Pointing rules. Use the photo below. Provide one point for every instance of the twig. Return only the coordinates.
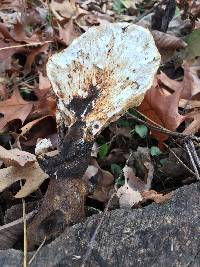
(24, 45)
(145, 14)
(25, 233)
(192, 160)
(160, 128)
(194, 153)
(38, 249)
(181, 162)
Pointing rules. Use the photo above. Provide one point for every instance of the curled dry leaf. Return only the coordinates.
(163, 111)
(190, 85)
(129, 194)
(14, 108)
(167, 41)
(33, 175)
(39, 128)
(64, 9)
(16, 157)
(104, 180)
(194, 126)
(155, 196)
(68, 32)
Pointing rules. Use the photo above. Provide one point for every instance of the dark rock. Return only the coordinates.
(157, 235)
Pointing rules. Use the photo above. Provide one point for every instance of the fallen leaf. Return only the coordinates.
(31, 57)
(129, 194)
(156, 197)
(33, 175)
(162, 110)
(190, 85)
(103, 181)
(44, 83)
(16, 157)
(14, 108)
(194, 126)
(19, 34)
(68, 32)
(167, 41)
(66, 9)
(39, 128)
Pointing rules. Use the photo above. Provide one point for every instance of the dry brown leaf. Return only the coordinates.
(16, 157)
(39, 128)
(19, 34)
(194, 126)
(68, 32)
(129, 194)
(104, 179)
(31, 57)
(167, 41)
(155, 196)
(15, 108)
(33, 175)
(66, 9)
(190, 84)
(162, 109)
(44, 83)
(191, 104)
(12, 4)
(5, 55)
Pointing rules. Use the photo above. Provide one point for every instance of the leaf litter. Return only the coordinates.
(28, 104)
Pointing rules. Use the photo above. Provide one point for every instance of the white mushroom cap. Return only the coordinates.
(107, 69)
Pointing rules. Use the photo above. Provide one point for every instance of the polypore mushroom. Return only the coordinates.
(96, 79)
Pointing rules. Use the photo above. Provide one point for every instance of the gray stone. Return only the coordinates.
(157, 235)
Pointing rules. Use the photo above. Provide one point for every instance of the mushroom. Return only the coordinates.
(96, 79)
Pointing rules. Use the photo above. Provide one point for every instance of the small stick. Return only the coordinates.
(25, 233)
(25, 45)
(160, 128)
(192, 161)
(181, 162)
(38, 249)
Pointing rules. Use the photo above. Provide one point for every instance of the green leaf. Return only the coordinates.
(163, 161)
(123, 123)
(141, 130)
(118, 6)
(116, 169)
(155, 151)
(103, 151)
(193, 41)
(120, 181)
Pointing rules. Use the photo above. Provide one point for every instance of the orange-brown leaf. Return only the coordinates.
(162, 109)
(14, 108)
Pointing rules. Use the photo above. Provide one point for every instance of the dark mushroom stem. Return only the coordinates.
(63, 203)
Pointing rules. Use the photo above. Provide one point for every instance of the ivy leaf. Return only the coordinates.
(120, 181)
(103, 151)
(116, 169)
(155, 151)
(141, 130)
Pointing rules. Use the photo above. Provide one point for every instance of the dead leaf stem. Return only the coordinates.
(160, 128)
